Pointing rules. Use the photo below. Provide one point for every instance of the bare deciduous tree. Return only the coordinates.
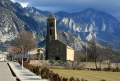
(25, 41)
(93, 50)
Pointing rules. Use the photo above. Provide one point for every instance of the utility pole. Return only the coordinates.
(86, 50)
(22, 57)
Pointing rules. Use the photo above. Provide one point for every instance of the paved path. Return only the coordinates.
(5, 73)
(24, 74)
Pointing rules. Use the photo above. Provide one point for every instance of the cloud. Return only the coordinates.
(13, 0)
(24, 3)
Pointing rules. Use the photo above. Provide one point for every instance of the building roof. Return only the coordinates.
(34, 51)
(64, 44)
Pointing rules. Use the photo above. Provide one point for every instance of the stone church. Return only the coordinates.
(55, 49)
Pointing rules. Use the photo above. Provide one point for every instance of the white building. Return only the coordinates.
(34, 53)
(3, 56)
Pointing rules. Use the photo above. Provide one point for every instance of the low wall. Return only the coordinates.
(23, 74)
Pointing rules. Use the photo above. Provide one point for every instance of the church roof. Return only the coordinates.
(51, 17)
(64, 44)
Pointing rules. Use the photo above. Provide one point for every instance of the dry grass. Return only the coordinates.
(89, 75)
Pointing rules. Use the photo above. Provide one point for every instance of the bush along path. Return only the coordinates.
(45, 73)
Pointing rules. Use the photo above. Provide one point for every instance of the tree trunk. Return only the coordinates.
(96, 64)
(100, 65)
(109, 65)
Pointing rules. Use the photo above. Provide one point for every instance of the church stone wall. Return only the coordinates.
(57, 50)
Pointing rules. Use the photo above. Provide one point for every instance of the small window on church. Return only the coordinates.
(51, 31)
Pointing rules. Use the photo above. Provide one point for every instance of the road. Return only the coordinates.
(5, 73)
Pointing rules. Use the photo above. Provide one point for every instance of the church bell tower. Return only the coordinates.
(51, 28)
(51, 32)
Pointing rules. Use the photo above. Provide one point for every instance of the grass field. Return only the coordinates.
(89, 75)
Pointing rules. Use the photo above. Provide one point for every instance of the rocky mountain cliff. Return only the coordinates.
(106, 28)
(10, 24)
(73, 28)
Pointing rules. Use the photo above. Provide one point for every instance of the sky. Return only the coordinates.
(110, 6)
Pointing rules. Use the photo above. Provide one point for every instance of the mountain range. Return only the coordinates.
(74, 29)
